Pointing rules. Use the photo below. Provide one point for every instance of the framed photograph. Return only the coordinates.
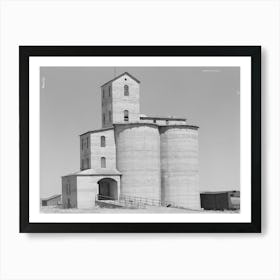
(140, 139)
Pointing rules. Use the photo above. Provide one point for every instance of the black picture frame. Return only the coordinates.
(25, 52)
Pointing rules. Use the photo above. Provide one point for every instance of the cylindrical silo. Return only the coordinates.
(138, 159)
(179, 165)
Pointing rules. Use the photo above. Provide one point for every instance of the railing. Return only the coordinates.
(145, 201)
(118, 202)
(134, 201)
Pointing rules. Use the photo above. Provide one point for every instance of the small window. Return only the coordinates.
(82, 143)
(103, 118)
(102, 141)
(110, 116)
(125, 116)
(155, 121)
(103, 93)
(68, 189)
(109, 90)
(88, 163)
(103, 162)
(87, 142)
(82, 164)
(126, 90)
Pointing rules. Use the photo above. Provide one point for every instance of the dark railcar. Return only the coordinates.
(227, 200)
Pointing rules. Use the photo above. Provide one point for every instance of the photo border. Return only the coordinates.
(25, 52)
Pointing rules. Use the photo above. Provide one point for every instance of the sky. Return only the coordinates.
(209, 97)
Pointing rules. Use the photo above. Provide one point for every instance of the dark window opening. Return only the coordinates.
(103, 162)
(103, 141)
(125, 116)
(126, 90)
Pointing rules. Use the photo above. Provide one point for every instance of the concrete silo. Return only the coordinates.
(179, 165)
(138, 159)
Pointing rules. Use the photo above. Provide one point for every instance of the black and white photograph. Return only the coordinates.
(145, 136)
(139, 139)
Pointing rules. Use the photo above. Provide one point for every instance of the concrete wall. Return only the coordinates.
(179, 165)
(87, 187)
(72, 196)
(109, 151)
(122, 102)
(138, 159)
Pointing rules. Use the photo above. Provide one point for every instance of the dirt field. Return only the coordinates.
(148, 210)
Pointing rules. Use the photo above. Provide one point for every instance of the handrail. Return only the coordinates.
(116, 201)
(136, 201)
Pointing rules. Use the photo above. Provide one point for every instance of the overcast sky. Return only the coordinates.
(70, 104)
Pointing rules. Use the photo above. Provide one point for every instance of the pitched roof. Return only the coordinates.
(125, 73)
(97, 130)
(96, 172)
(51, 197)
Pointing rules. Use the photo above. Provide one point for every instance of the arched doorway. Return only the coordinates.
(107, 189)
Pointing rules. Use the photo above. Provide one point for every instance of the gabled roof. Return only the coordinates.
(125, 73)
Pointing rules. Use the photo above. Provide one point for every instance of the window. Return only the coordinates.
(103, 118)
(109, 90)
(110, 116)
(126, 90)
(102, 141)
(155, 121)
(82, 142)
(103, 93)
(88, 163)
(68, 189)
(82, 164)
(103, 162)
(87, 142)
(125, 116)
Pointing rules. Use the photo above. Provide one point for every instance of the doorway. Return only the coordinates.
(107, 189)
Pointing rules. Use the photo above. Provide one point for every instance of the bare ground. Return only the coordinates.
(148, 210)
